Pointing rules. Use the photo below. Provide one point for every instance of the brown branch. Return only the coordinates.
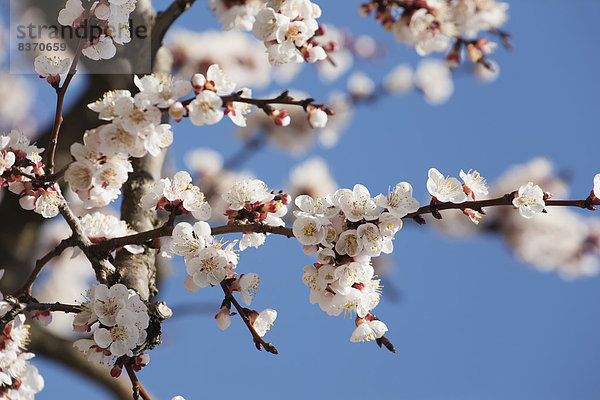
(109, 245)
(164, 20)
(52, 307)
(264, 104)
(256, 228)
(39, 265)
(138, 389)
(258, 341)
(60, 350)
(505, 200)
(101, 266)
(60, 96)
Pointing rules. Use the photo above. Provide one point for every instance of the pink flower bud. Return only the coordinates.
(198, 82)
(281, 117)
(223, 318)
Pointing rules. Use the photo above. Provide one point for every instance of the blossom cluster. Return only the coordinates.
(560, 240)
(107, 20)
(251, 201)
(22, 170)
(210, 262)
(344, 231)
(177, 195)
(18, 378)
(207, 107)
(135, 129)
(287, 27)
(117, 318)
(429, 26)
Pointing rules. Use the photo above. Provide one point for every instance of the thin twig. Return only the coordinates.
(138, 389)
(52, 307)
(256, 228)
(60, 96)
(258, 341)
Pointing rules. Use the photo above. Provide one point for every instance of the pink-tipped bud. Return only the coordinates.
(177, 111)
(198, 82)
(223, 318)
(281, 117)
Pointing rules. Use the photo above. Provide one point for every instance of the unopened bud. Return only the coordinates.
(317, 118)
(198, 82)
(177, 111)
(281, 117)
(102, 11)
(223, 318)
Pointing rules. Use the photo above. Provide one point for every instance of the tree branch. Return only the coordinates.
(258, 341)
(138, 389)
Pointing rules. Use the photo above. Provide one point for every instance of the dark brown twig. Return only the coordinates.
(60, 96)
(259, 342)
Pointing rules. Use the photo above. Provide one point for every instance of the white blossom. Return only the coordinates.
(368, 330)
(445, 189)
(475, 183)
(529, 200)
(264, 321)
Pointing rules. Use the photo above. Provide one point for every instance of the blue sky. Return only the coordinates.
(471, 322)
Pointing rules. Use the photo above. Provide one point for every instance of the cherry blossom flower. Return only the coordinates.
(205, 109)
(208, 268)
(162, 90)
(529, 200)
(51, 68)
(357, 204)
(445, 189)
(475, 184)
(399, 201)
(108, 301)
(368, 330)
(247, 191)
(264, 321)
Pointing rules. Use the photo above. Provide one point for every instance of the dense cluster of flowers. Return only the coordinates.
(135, 129)
(117, 318)
(287, 27)
(22, 170)
(108, 21)
(251, 201)
(210, 262)
(345, 230)
(430, 25)
(18, 378)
